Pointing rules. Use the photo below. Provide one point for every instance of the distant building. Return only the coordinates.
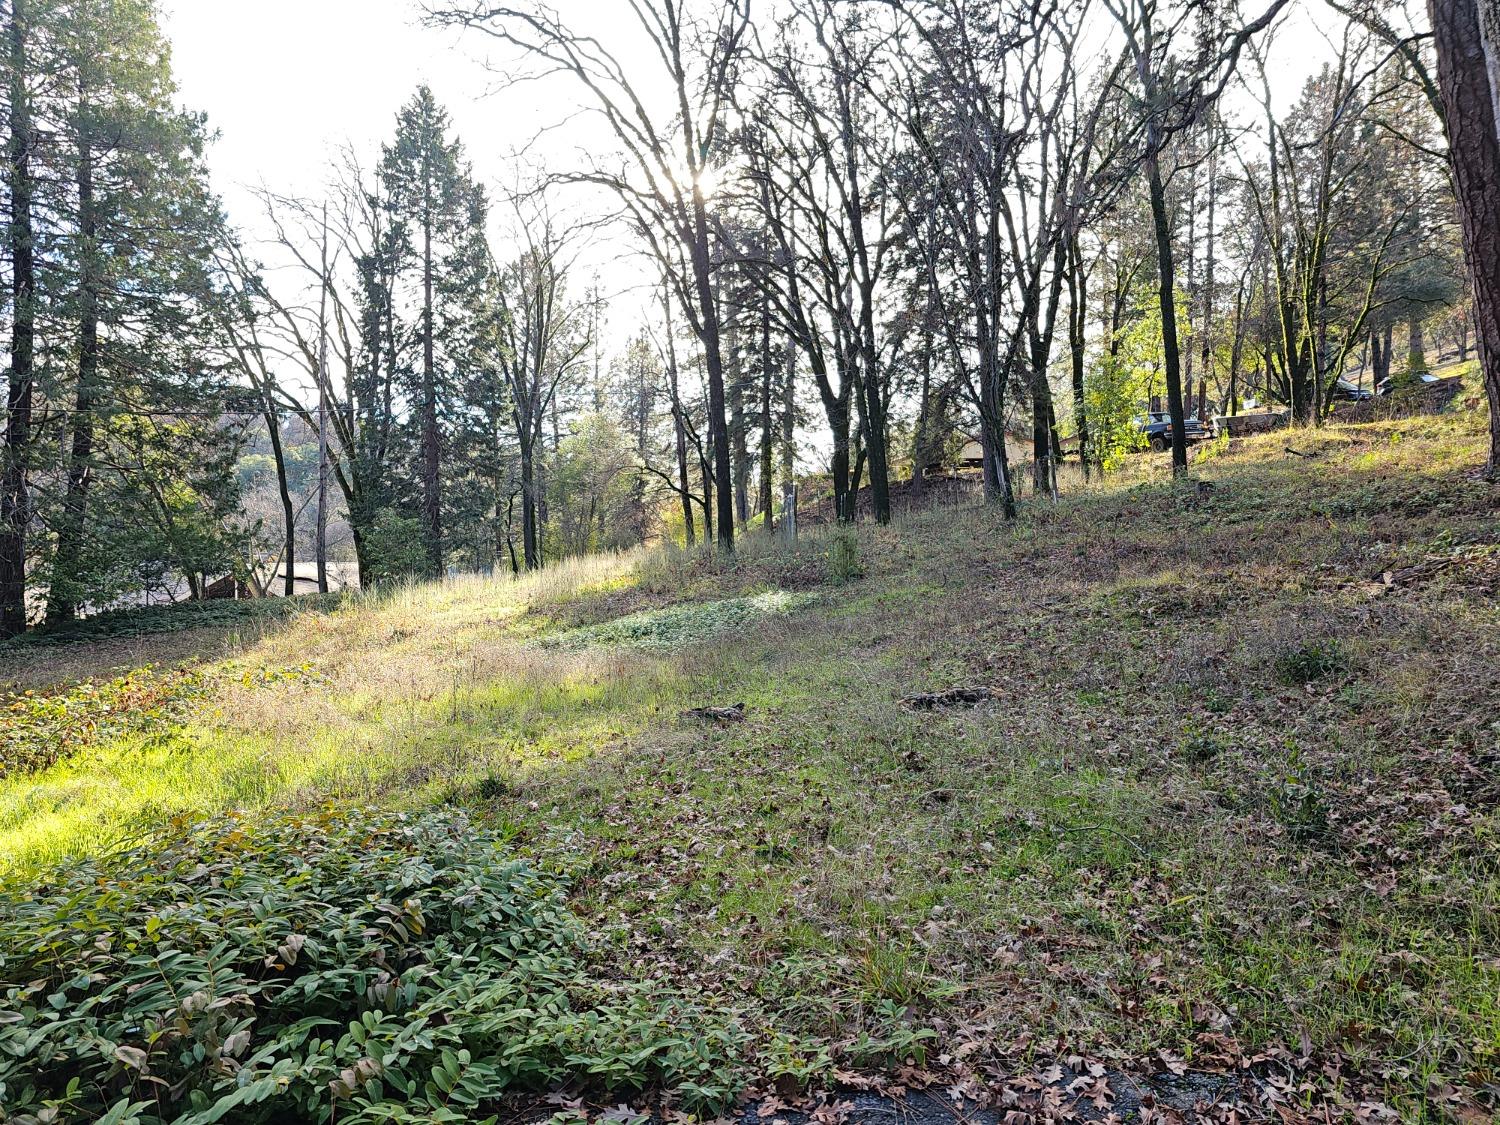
(969, 455)
(341, 576)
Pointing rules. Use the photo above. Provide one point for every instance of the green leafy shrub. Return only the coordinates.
(1200, 746)
(1114, 389)
(1309, 662)
(890, 1038)
(349, 966)
(844, 563)
(1297, 801)
(1408, 380)
(38, 730)
(1215, 447)
(791, 1060)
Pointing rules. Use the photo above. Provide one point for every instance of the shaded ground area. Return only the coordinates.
(1110, 1096)
(108, 643)
(1071, 1091)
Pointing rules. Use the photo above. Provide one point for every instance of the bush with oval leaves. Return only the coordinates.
(347, 966)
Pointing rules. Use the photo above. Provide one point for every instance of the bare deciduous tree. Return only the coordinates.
(543, 335)
(668, 159)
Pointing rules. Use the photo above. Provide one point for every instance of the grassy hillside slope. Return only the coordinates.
(1236, 797)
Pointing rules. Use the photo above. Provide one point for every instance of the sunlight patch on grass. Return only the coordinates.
(676, 626)
(402, 697)
(289, 746)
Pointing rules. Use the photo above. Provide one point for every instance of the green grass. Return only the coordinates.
(676, 626)
(1234, 796)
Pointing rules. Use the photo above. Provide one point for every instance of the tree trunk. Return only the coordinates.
(1468, 64)
(1041, 431)
(62, 597)
(432, 510)
(738, 447)
(1321, 363)
(320, 541)
(767, 444)
(680, 438)
(989, 461)
(789, 416)
(1056, 444)
(706, 471)
(1237, 348)
(283, 489)
(843, 503)
(1077, 342)
(854, 478)
(1189, 328)
(15, 506)
(1043, 417)
(1416, 347)
(531, 551)
(357, 534)
(997, 481)
(718, 432)
(1167, 296)
(1206, 344)
(996, 460)
(1383, 359)
(1001, 457)
(836, 410)
(873, 407)
(875, 443)
(679, 430)
(510, 538)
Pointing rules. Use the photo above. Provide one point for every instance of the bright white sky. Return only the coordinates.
(286, 83)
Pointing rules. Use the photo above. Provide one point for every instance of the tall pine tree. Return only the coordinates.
(439, 212)
(15, 455)
(134, 292)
